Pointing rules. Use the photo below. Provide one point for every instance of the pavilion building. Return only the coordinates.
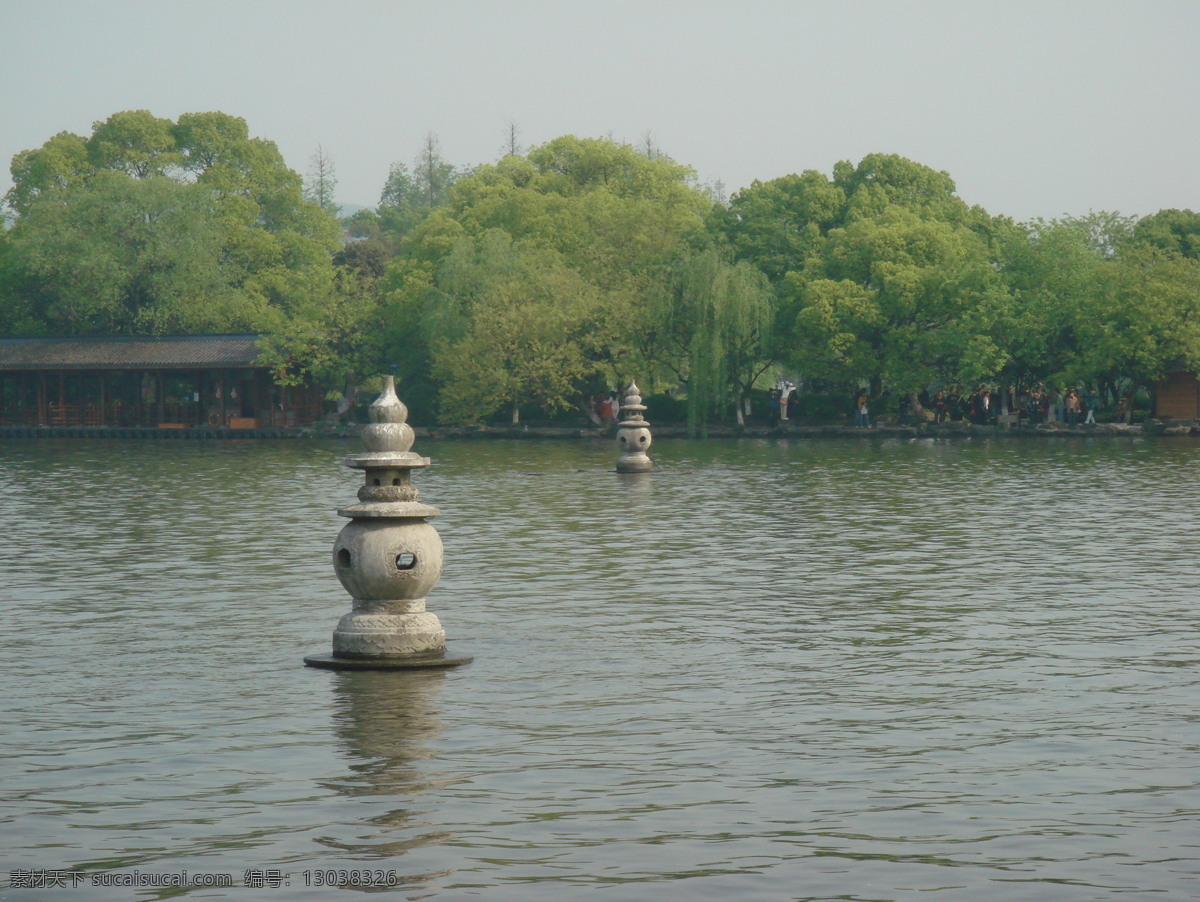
(164, 382)
(1177, 396)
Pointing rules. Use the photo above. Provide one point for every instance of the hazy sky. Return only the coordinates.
(1037, 108)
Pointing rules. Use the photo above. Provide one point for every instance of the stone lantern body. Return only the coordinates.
(388, 557)
(633, 434)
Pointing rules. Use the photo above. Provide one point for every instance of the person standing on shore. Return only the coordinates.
(1125, 410)
(862, 414)
(785, 398)
(773, 396)
(1072, 407)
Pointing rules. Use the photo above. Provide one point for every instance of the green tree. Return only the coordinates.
(602, 212)
(1100, 299)
(1057, 279)
(409, 195)
(902, 301)
(432, 175)
(1147, 321)
(16, 315)
(59, 164)
(511, 325)
(711, 325)
(333, 333)
(363, 224)
(883, 181)
(401, 203)
(134, 142)
(779, 225)
(206, 141)
(123, 255)
(1104, 231)
(160, 226)
(883, 273)
(1177, 231)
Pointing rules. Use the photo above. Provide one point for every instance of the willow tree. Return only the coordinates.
(509, 324)
(714, 319)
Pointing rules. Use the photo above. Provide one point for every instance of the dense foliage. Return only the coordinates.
(549, 276)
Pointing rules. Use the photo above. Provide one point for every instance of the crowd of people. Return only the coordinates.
(1032, 406)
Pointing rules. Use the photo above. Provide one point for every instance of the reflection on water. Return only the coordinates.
(388, 721)
(810, 670)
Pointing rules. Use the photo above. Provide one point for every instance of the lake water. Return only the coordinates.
(862, 670)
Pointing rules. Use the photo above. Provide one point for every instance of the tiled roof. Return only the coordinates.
(129, 352)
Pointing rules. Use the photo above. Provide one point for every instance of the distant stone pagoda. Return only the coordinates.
(633, 434)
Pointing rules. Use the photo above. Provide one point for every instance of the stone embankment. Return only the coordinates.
(197, 432)
(890, 430)
(787, 430)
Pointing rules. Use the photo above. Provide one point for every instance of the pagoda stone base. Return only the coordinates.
(634, 463)
(371, 633)
(426, 661)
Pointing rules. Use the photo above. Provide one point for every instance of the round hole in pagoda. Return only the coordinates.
(406, 560)
(343, 557)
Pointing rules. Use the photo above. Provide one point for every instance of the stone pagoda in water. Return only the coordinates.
(633, 434)
(388, 557)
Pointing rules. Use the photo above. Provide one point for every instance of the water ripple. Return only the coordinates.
(859, 670)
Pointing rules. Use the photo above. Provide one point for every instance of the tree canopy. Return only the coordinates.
(885, 277)
(595, 219)
(153, 226)
(565, 270)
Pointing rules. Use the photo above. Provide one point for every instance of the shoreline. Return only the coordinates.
(788, 431)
